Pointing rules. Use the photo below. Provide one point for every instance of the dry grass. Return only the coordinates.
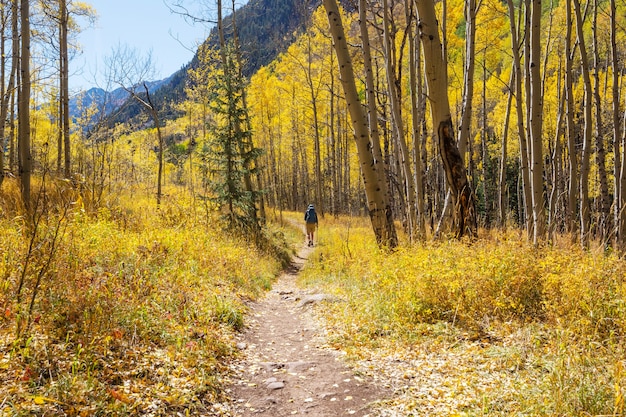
(526, 331)
(134, 311)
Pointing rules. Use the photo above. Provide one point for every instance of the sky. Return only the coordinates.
(140, 25)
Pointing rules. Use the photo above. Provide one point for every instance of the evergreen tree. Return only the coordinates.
(230, 153)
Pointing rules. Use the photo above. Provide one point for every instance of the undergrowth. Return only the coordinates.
(552, 319)
(134, 312)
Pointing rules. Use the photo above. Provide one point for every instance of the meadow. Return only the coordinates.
(490, 327)
(132, 310)
(129, 309)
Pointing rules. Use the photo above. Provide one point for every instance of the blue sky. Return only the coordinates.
(143, 25)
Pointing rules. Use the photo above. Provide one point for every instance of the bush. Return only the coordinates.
(127, 318)
(488, 292)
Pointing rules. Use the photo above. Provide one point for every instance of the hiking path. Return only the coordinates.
(286, 367)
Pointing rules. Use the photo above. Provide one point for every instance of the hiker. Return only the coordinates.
(310, 217)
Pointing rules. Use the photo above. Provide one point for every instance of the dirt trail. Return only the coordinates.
(285, 367)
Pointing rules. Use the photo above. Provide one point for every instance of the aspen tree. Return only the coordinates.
(456, 174)
(536, 125)
(521, 130)
(619, 155)
(393, 86)
(64, 92)
(25, 158)
(585, 215)
(378, 205)
(3, 89)
(417, 113)
(572, 200)
(604, 204)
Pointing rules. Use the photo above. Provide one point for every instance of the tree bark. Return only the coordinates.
(468, 75)
(417, 114)
(572, 201)
(521, 131)
(604, 204)
(555, 192)
(536, 125)
(618, 154)
(393, 85)
(378, 206)
(370, 94)
(64, 86)
(503, 201)
(585, 216)
(3, 91)
(25, 159)
(456, 174)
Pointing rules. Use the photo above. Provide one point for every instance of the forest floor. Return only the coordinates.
(292, 362)
(286, 367)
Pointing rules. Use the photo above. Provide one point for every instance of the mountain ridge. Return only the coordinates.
(266, 28)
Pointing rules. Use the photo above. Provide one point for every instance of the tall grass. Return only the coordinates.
(557, 314)
(135, 312)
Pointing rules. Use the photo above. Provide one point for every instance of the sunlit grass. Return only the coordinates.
(135, 312)
(554, 317)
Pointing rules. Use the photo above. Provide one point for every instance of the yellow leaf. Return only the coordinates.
(39, 400)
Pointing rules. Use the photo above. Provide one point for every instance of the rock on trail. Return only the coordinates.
(285, 368)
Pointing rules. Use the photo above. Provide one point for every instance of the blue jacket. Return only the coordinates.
(310, 216)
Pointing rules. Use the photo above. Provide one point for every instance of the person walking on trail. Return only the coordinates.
(310, 217)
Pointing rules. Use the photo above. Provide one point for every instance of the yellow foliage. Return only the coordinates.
(569, 303)
(137, 305)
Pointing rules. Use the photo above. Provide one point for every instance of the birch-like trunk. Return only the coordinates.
(3, 90)
(536, 124)
(25, 158)
(619, 186)
(572, 200)
(519, 106)
(376, 191)
(503, 201)
(64, 84)
(585, 216)
(393, 85)
(370, 94)
(468, 74)
(456, 174)
(555, 191)
(417, 114)
(604, 204)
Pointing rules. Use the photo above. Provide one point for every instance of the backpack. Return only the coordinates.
(310, 216)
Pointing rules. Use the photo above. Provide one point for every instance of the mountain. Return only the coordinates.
(98, 98)
(266, 28)
(110, 104)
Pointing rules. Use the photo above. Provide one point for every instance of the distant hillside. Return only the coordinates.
(111, 104)
(266, 28)
(98, 98)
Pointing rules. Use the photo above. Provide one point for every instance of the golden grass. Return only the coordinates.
(556, 315)
(136, 309)
(134, 313)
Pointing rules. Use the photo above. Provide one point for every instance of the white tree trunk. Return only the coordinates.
(375, 190)
(536, 125)
(456, 174)
(585, 216)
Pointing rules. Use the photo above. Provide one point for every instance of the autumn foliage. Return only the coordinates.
(548, 323)
(134, 310)
(111, 304)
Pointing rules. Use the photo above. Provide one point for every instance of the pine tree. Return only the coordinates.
(230, 153)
